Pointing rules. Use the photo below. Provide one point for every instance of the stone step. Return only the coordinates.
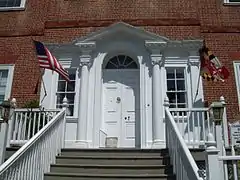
(117, 160)
(114, 152)
(111, 169)
(77, 176)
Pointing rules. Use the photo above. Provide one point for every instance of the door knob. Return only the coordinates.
(118, 99)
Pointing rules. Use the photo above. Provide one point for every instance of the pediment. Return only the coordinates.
(122, 29)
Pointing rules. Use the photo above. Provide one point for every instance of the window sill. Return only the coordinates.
(232, 4)
(12, 9)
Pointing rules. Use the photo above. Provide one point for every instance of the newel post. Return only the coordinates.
(65, 107)
(225, 122)
(7, 112)
(13, 105)
(213, 170)
(166, 107)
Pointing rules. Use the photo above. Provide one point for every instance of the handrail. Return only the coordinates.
(184, 165)
(102, 138)
(189, 109)
(36, 110)
(33, 159)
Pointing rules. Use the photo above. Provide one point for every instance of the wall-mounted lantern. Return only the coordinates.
(216, 111)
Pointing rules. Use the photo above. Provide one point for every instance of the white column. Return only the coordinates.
(156, 101)
(82, 125)
(156, 49)
(85, 64)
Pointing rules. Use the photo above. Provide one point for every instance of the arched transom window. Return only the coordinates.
(121, 62)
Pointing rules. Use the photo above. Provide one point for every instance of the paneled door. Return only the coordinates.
(121, 105)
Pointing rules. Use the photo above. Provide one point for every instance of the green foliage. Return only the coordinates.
(32, 104)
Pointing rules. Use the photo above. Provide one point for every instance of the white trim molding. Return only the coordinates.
(236, 65)
(15, 8)
(229, 2)
(10, 69)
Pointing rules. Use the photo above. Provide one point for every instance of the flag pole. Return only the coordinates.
(44, 87)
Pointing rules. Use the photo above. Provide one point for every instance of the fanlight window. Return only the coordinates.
(121, 62)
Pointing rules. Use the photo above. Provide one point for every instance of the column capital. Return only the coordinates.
(155, 48)
(193, 60)
(157, 59)
(86, 49)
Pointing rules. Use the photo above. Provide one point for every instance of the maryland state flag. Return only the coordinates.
(211, 68)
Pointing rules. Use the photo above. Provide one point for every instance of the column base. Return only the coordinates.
(158, 144)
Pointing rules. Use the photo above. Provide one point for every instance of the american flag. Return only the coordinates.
(48, 61)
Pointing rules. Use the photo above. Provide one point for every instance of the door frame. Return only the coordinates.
(145, 140)
(137, 106)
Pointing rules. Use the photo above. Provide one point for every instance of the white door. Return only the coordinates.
(121, 95)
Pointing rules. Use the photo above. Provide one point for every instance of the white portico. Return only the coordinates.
(120, 76)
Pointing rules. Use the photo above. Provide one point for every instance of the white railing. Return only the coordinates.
(25, 123)
(102, 138)
(231, 165)
(184, 166)
(194, 124)
(33, 159)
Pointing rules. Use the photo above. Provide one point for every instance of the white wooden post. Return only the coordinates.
(155, 48)
(166, 106)
(4, 132)
(64, 106)
(213, 170)
(11, 121)
(225, 123)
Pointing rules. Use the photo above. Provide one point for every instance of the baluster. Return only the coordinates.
(204, 128)
(39, 121)
(192, 116)
(29, 126)
(20, 170)
(178, 122)
(20, 127)
(45, 154)
(48, 117)
(188, 125)
(24, 165)
(15, 127)
(183, 126)
(198, 127)
(34, 123)
(44, 119)
(24, 134)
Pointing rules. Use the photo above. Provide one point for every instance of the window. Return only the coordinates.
(12, 4)
(6, 76)
(121, 62)
(232, 2)
(237, 79)
(176, 87)
(68, 90)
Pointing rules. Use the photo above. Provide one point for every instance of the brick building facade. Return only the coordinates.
(52, 21)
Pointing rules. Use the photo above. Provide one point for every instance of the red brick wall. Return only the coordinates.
(64, 20)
